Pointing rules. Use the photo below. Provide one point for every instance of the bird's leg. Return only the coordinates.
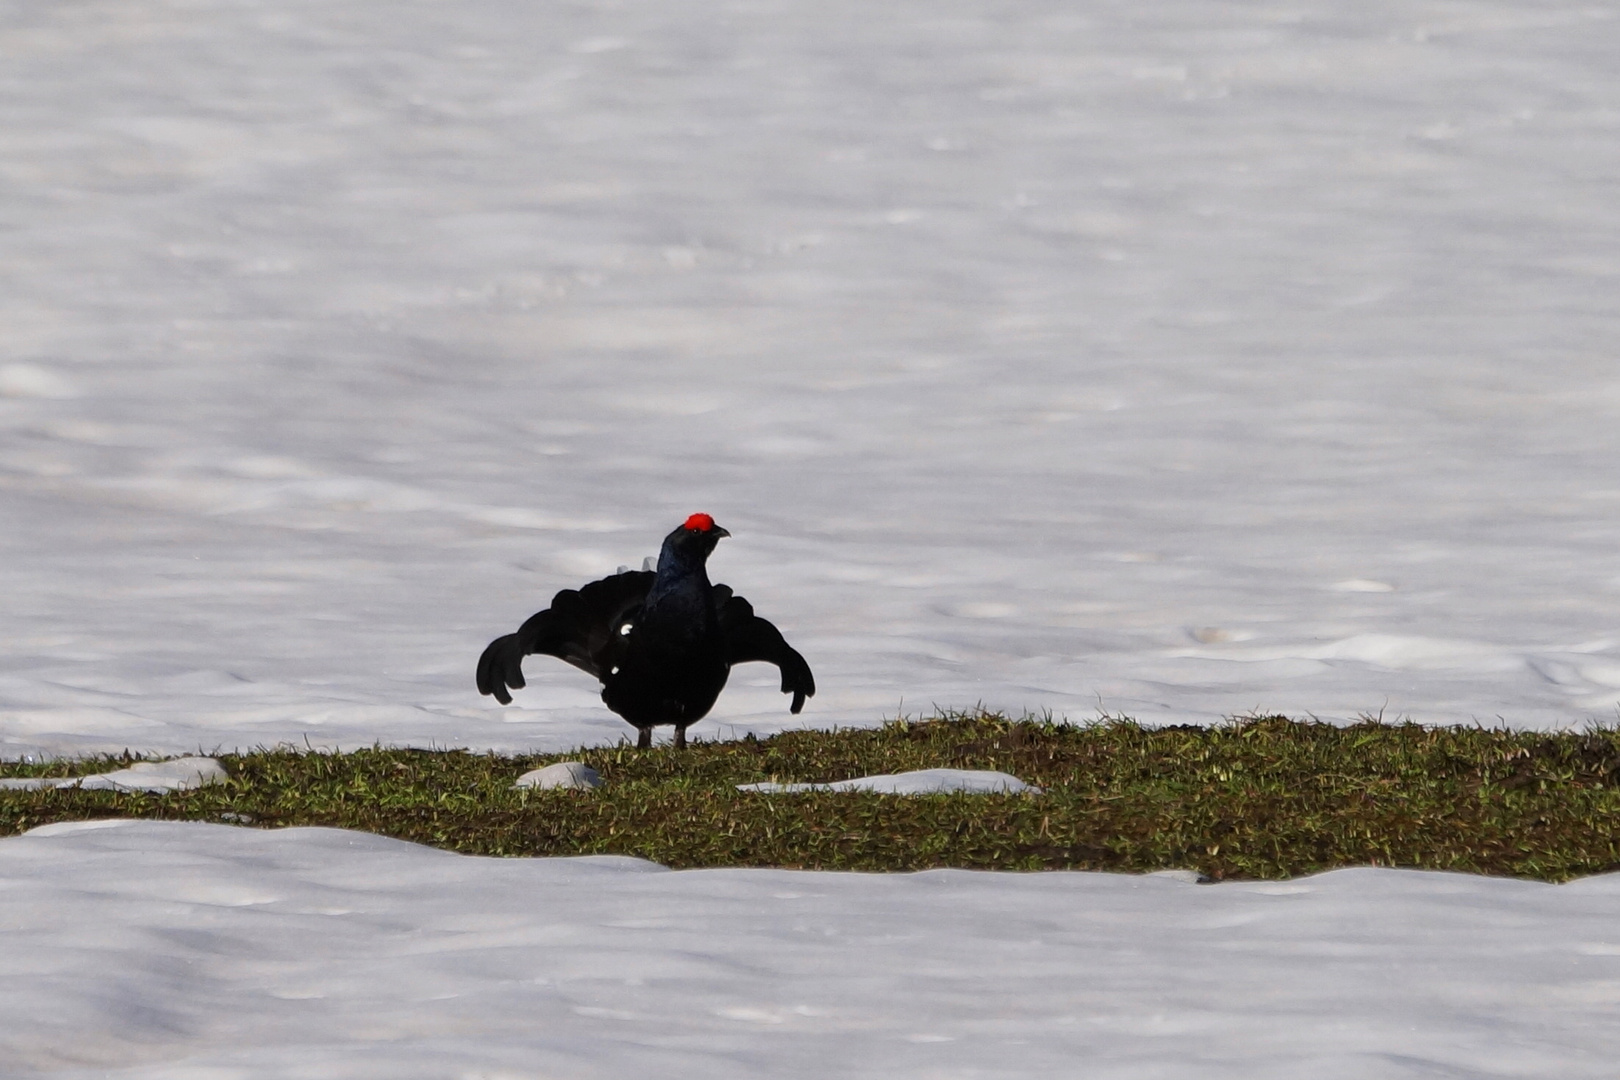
(645, 741)
(680, 736)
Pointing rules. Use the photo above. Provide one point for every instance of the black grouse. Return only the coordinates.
(662, 643)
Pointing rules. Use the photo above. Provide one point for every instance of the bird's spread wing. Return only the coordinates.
(749, 637)
(576, 627)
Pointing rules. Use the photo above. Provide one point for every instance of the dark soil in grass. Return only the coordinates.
(1257, 798)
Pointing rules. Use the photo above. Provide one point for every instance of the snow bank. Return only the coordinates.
(146, 950)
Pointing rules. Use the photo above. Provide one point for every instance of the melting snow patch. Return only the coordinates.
(181, 774)
(919, 782)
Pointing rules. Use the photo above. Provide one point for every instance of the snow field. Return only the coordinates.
(174, 950)
(1177, 360)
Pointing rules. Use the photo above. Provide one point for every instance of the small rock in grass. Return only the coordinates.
(564, 774)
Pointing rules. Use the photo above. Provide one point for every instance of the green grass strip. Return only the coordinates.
(1254, 798)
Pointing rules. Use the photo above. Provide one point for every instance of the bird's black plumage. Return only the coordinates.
(662, 643)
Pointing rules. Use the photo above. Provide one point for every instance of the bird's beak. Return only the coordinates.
(717, 532)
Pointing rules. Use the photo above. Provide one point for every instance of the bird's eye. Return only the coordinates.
(624, 631)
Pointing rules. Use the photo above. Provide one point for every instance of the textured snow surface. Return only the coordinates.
(1178, 359)
(916, 782)
(200, 951)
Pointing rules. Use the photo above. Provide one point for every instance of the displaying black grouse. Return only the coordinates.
(662, 643)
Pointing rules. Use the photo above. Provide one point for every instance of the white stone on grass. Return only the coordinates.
(562, 774)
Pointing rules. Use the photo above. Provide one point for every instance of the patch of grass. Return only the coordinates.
(1264, 797)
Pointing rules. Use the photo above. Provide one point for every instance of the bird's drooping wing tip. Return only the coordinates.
(501, 666)
(797, 680)
(749, 638)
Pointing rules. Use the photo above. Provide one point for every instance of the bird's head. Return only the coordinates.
(693, 540)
